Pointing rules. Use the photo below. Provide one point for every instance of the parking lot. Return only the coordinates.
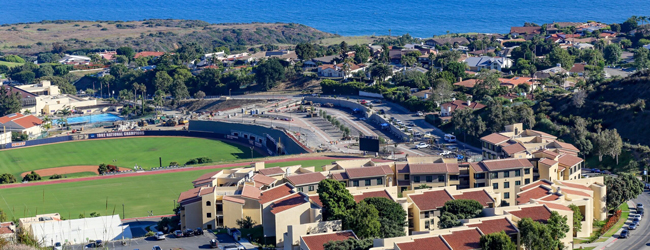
(170, 242)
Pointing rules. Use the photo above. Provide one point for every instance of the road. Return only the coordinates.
(639, 238)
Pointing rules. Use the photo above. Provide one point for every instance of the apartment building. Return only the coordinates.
(368, 177)
(307, 183)
(316, 241)
(504, 176)
(292, 237)
(424, 204)
(444, 239)
(516, 142)
(429, 171)
(555, 165)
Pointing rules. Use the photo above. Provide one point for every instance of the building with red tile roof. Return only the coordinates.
(489, 225)
(434, 242)
(24, 124)
(316, 241)
(288, 202)
(516, 81)
(538, 213)
(464, 239)
(469, 83)
(306, 182)
(446, 109)
(275, 193)
(373, 176)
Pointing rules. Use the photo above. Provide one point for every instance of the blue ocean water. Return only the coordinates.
(420, 18)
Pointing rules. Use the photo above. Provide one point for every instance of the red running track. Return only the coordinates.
(30, 184)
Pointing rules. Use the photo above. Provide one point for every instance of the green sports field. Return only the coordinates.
(139, 194)
(127, 152)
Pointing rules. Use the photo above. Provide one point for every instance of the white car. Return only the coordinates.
(428, 135)
(445, 152)
(58, 246)
(421, 145)
(420, 113)
(160, 236)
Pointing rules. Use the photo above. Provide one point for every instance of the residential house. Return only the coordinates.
(447, 41)
(424, 204)
(469, 83)
(519, 31)
(490, 63)
(582, 46)
(339, 70)
(75, 60)
(556, 165)
(447, 109)
(511, 83)
(504, 176)
(24, 124)
(416, 175)
(550, 72)
(578, 69)
(108, 55)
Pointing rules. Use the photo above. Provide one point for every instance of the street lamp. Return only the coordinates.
(252, 153)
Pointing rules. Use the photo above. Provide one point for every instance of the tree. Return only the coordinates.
(25, 77)
(361, 54)
(578, 98)
(33, 176)
(349, 244)
(391, 216)
(305, 51)
(497, 241)
(344, 49)
(9, 102)
(199, 95)
(59, 48)
(557, 227)
(7, 178)
(612, 53)
(561, 56)
(163, 81)
(363, 220)
(45, 70)
(103, 168)
(456, 68)
(629, 24)
(641, 59)
(179, 90)
(455, 210)
(534, 235)
(577, 218)
(126, 51)
(335, 198)
(3, 215)
(269, 72)
(107, 81)
(626, 43)
(246, 223)
(621, 189)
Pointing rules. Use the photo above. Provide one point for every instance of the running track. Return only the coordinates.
(17, 185)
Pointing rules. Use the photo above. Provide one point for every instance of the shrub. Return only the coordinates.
(7, 178)
(150, 234)
(103, 168)
(199, 160)
(173, 163)
(33, 176)
(56, 176)
(611, 222)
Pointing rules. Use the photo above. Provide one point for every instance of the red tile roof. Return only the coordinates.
(551, 197)
(460, 104)
(359, 197)
(23, 93)
(148, 53)
(9, 117)
(551, 154)
(207, 177)
(495, 138)
(275, 193)
(316, 242)
(514, 82)
(547, 161)
(363, 172)
(189, 195)
(271, 171)
(536, 184)
(488, 226)
(402, 168)
(340, 176)
(577, 68)
(574, 192)
(533, 193)
(206, 190)
(470, 83)
(25, 121)
(233, 199)
(303, 179)
(536, 213)
(289, 202)
(251, 192)
(435, 242)
(501, 164)
(575, 185)
(567, 146)
(481, 196)
(513, 148)
(431, 200)
(555, 206)
(433, 168)
(263, 179)
(464, 240)
(569, 160)
(316, 200)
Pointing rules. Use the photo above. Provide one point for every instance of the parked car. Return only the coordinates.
(428, 135)
(57, 246)
(450, 138)
(188, 233)
(639, 206)
(623, 234)
(445, 152)
(198, 231)
(156, 248)
(421, 145)
(410, 124)
(214, 243)
(160, 236)
(595, 170)
(632, 227)
(636, 221)
(420, 113)
(178, 233)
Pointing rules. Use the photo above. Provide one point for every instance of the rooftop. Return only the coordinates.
(536, 213)
(431, 200)
(383, 193)
(362, 172)
(289, 202)
(488, 226)
(303, 179)
(271, 171)
(501, 164)
(464, 239)
(275, 193)
(316, 242)
(495, 138)
(435, 242)
(432, 168)
(480, 195)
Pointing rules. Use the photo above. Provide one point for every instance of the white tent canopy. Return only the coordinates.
(78, 231)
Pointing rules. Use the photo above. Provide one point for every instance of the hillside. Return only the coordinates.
(617, 104)
(152, 35)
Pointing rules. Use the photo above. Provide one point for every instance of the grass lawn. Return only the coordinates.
(350, 40)
(625, 213)
(140, 194)
(127, 152)
(10, 64)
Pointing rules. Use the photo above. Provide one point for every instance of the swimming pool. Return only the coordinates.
(92, 119)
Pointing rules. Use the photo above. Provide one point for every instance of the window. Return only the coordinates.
(517, 183)
(427, 224)
(355, 183)
(506, 195)
(416, 179)
(209, 215)
(527, 171)
(209, 226)
(526, 181)
(494, 175)
(426, 214)
(368, 183)
(311, 188)
(453, 177)
(506, 184)
(495, 185)
(407, 177)
(208, 203)
(380, 181)
(476, 185)
(518, 172)
(299, 189)
(429, 178)
(506, 174)
(441, 178)
(479, 176)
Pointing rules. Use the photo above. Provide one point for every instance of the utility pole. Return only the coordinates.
(123, 211)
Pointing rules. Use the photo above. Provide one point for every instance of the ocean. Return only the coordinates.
(345, 17)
